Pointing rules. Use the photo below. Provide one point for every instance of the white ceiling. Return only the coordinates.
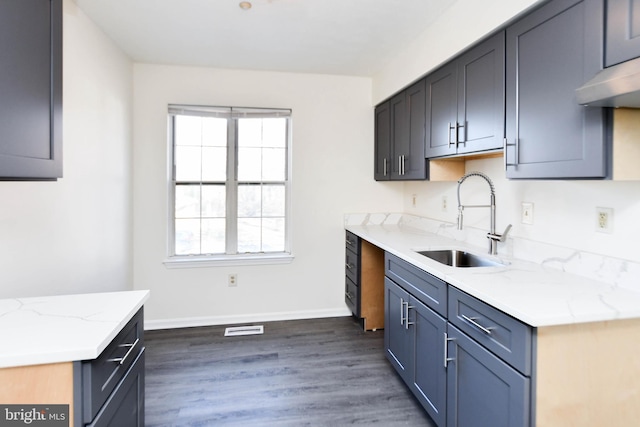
(346, 37)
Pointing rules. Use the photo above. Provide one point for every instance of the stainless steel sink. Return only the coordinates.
(457, 258)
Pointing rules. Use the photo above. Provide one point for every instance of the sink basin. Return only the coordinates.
(456, 258)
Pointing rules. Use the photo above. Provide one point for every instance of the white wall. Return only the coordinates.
(73, 235)
(564, 211)
(460, 26)
(332, 174)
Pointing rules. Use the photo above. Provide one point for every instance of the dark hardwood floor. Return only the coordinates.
(321, 372)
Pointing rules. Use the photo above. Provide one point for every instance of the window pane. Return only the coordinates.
(250, 132)
(214, 163)
(273, 234)
(188, 163)
(187, 236)
(214, 201)
(187, 201)
(249, 201)
(274, 132)
(188, 130)
(249, 234)
(249, 164)
(274, 164)
(214, 132)
(273, 201)
(213, 236)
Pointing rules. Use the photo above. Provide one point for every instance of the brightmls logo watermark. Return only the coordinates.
(34, 415)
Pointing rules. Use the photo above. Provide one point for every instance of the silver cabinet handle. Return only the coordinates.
(472, 320)
(349, 266)
(349, 295)
(384, 166)
(449, 132)
(403, 162)
(121, 360)
(402, 311)
(406, 316)
(447, 359)
(516, 153)
(349, 242)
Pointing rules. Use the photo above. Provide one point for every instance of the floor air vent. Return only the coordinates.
(243, 330)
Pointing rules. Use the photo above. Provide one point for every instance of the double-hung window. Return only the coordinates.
(229, 182)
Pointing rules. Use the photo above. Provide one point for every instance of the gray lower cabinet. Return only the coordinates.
(414, 345)
(622, 32)
(31, 89)
(109, 390)
(551, 52)
(467, 363)
(482, 390)
(465, 103)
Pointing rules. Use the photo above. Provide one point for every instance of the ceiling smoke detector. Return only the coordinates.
(245, 5)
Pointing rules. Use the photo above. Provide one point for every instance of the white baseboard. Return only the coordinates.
(189, 322)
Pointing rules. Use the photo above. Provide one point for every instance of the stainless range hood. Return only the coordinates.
(617, 86)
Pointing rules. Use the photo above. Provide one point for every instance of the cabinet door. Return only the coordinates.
(382, 140)
(441, 111)
(622, 41)
(429, 380)
(31, 88)
(399, 132)
(125, 406)
(482, 390)
(550, 53)
(481, 97)
(410, 149)
(397, 337)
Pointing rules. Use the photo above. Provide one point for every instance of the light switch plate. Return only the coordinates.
(527, 213)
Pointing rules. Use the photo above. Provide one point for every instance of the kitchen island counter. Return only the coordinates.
(65, 328)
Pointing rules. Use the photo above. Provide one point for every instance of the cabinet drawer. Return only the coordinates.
(351, 296)
(352, 242)
(352, 266)
(101, 376)
(425, 287)
(506, 337)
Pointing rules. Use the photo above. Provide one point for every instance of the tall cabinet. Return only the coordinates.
(551, 52)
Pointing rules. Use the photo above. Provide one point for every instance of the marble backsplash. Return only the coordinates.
(612, 271)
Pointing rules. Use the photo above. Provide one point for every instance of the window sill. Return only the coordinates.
(196, 261)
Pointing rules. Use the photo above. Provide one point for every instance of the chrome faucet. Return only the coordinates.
(491, 235)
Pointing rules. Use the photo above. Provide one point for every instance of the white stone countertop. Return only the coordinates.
(534, 294)
(64, 328)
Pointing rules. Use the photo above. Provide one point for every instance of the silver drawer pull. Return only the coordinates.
(349, 266)
(472, 320)
(120, 360)
(349, 242)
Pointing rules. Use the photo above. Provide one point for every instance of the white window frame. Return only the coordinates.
(210, 260)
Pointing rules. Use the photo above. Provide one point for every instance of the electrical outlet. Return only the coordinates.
(444, 203)
(233, 280)
(527, 213)
(604, 220)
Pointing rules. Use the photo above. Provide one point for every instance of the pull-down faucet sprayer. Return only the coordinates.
(492, 236)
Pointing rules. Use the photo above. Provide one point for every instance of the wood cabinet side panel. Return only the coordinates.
(38, 385)
(588, 375)
(372, 285)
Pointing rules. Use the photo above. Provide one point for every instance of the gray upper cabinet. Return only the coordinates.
(622, 41)
(465, 103)
(399, 136)
(31, 88)
(551, 52)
